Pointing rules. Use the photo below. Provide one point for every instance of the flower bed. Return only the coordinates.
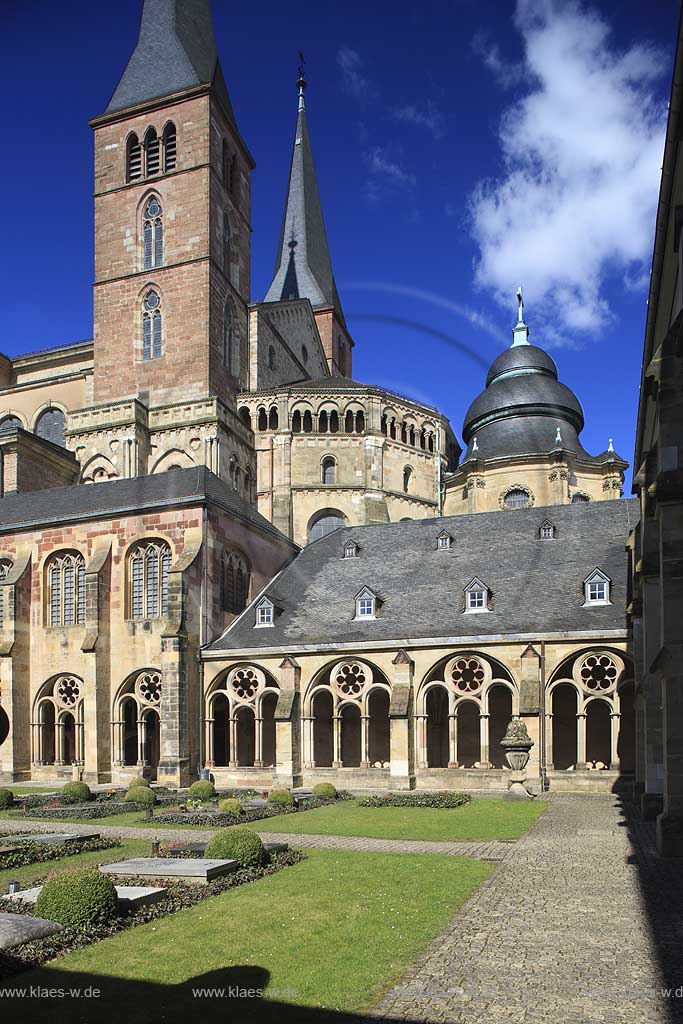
(179, 896)
(442, 800)
(86, 812)
(35, 852)
(220, 819)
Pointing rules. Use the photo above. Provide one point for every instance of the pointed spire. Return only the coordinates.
(175, 51)
(303, 269)
(520, 333)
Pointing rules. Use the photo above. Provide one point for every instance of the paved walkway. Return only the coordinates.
(493, 850)
(580, 924)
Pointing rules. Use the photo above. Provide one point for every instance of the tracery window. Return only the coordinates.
(152, 326)
(153, 235)
(518, 497)
(149, 564)
(65, 575)
(236, 582)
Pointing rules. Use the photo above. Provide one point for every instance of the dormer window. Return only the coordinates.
(265, 613)
(597, 588)
(350, 549)
(444, 541)
(366, 604)
(546, 530)
(477, 596)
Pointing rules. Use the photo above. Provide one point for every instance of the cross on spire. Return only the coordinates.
(520, 332)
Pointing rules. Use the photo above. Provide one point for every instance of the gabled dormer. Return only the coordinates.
(350, 550)
(367, 605)
(477, 596)
(265, 613)
(597, 589)
(444, 541)
(546, 530)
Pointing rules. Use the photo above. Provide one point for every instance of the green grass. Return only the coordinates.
(129, 818)
(31, 874)
(18, 790)
(481, 819)
(334, 931)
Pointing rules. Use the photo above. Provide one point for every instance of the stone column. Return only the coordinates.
(288, 731)
(336, 725)
(401, 723)
(549, 741)
(421, 735)
(453, 741)
(232, 725)
(141, 741)
(581, 740)
(258, 742)
(365, 741)
(615, 719)
(484, 741)
(208, 742)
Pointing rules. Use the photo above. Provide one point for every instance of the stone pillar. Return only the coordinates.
(258, 742)
(208, 742)
(174, 713)
(336, 735)
(141, 741)
(421, 735)
(484, 741)
(453, 741)
(288, 733)
(581, 740)
(365, 741)
(549, 741)
(531, 706)
(401, 724)
(614, 737)
(232, 726)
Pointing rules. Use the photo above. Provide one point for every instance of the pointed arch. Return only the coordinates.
(133, 158)
(152, 152)
(170, 146)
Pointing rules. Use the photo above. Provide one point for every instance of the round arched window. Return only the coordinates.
(327, 523)
(517, 498)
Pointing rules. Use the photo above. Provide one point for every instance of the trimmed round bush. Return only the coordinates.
(78, 899)
(138, 782)
(202, 790)
(142, 795)
(240, 844)
(6, 799)
(230, 806)
(281, 796)
(75, 793)
(325, 790)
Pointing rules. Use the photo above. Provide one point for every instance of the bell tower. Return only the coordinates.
(172, 220)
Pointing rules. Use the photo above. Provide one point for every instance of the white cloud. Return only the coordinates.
(427, 116)
(582, 150)
(355, 80)
(386, 170)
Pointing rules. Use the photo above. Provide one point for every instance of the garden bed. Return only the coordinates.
(35, 852)
(179, 896)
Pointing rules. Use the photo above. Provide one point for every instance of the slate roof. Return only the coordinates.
(536, 584)
(303, 267)
(178, 487)
(176, 50)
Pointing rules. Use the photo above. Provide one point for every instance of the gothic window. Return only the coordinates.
(236, 582)
(517, 497)
(5, 567)
(152, 331)
(329, 470)
(407, 479)
(65, 575)
(50, 426)
(170, 147)
(133, 158)
(152, 152)
(148, 567)
(153, 235)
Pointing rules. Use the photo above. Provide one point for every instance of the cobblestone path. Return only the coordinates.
(488, 850)
(580, 924)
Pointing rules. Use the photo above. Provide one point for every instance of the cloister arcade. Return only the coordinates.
(240, 719)
(57, 723)
(346, 718)
(136, 723)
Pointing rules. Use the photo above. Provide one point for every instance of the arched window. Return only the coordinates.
(152, 152)
(170, 147)
(296, 422)
(153, 234)
(322, 422)
(152, 332)
(245, 416)
(273, 418)
(348, 422)
(137, 723)
(5, 567)
(578, 497)
(334, 422)
(65, 576)
(133, 158)
(50, 426)
(360, 421)
(236, 582)
(518, 497)
(308, 422)
(148, 567)
(325, 523)
(384, 426)
(262, 419)
(8, 423)
(228, 168)
(58, 719)
(407, 479)
(329, 470)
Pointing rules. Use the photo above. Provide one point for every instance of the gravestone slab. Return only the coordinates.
(130, 897)
(54, 838)
(16, 929)
(185, 869)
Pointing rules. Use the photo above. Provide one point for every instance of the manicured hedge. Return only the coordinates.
(78, 899)
(142, 796)
(202, 791)
(6, 799)
(138, 781)
(230, 806)
(87, 812)
(326, 790)
(240, 844)
(281, 796)
(75, 793)
(444, 799)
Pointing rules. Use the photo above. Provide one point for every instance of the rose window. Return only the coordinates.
(67, 691)
(598, 673)
(149, 687)
(350, 679)
(245, 683)
(467, 674)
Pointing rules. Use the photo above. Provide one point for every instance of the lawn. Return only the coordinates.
(31, 874)
(334, 931)
(481, 819)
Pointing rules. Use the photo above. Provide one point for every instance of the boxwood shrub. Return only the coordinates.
(240, 844)
(6, 799)
(202, 791)
(142, 796)
(230, 806)
(281, 796)
(78, 899)
(138, 781)
(75, 793)
(326, 790)
(442, 799)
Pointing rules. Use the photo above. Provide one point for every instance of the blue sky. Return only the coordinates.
(462, 148)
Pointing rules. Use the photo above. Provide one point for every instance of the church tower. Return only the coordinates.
(172, 220)
(303, 268)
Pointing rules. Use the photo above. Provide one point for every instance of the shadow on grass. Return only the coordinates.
(232, 995)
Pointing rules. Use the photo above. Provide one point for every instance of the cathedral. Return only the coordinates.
(221, 552)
